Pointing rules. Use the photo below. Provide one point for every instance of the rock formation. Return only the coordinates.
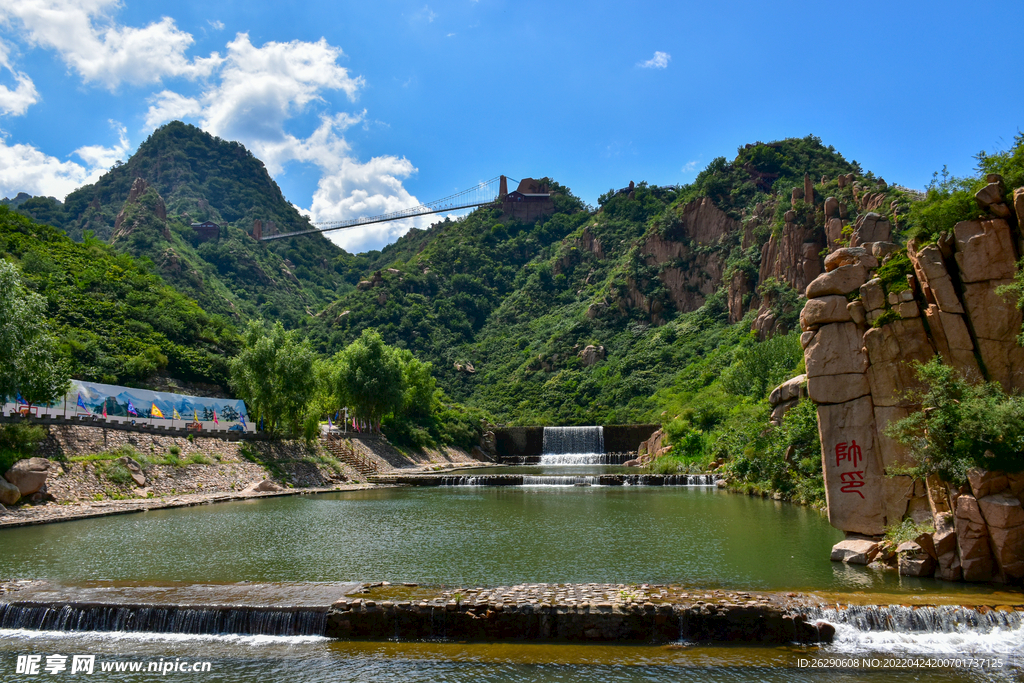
(861, 338)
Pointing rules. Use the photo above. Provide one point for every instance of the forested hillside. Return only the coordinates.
(191, 176)
(584, 316)
(117, 321)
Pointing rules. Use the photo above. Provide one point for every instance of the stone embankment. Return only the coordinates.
(578, 613)
(861, 338)
(88, 471)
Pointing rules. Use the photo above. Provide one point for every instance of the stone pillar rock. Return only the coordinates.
(853, 476)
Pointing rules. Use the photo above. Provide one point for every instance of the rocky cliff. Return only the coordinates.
(866, 321)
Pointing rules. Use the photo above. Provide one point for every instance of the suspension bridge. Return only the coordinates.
(487, 193)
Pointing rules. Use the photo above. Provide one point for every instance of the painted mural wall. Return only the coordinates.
(123, 404)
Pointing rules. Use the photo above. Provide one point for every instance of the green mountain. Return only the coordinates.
(118, 321)
(189, 176)
(583, 317)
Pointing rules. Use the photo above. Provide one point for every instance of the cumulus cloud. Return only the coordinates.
(660, 60)
(23, 96)
(252, 98)
(260, 88)
(84, 33)
(167, 106)
(24, 168)
(100, 158)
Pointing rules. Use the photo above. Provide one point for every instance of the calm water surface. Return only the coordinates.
(459, 536)
(469, 535)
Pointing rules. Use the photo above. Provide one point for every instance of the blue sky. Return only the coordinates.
(359, 108)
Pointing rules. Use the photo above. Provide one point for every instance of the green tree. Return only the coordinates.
(274, 375)
(961, 425)
(370, 378)
(29, 360)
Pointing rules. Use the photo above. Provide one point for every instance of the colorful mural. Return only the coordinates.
(122, 404)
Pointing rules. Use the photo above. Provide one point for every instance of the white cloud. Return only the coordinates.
(216, 24)
(690, 166)
(24, 168)
(660, 60)
(101, 158)
(167, 106)
(90, 42)
(252, 98)
(261, 88)
(23, 96)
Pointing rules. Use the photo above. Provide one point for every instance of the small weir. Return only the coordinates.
(550, 480)
(552, 612)
(899, 618)
(212, 620)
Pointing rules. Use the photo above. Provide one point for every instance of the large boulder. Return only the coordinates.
(871, 227)
(9, 493)
(972, 539)
(842, 280)
(138, 476)
(789, 390)
(1005, 519)
(985, 482)
(267, 485)
(848, 256)
(824, 310)
(836, 349)
(985, 250)
(855, 551)
(28, 475)
(996, 322)
(872, 295)
(914, 560)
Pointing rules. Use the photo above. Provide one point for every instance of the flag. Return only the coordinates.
(215, 417)
(155, 412)
(104, 410)
(261, 423)
(241, 418)
(330, 425)
(81, 403)
(194, 415)
(176, 415)
(22, 401)
(131, 409)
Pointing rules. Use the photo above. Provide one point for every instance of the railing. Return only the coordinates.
(97, 422)
(362, 464)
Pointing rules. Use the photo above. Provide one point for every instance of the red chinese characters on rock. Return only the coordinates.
(854, 479)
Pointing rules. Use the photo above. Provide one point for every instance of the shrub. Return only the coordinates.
(18, 441)
(961, 425)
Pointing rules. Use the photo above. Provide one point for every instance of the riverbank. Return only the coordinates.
(87, 471)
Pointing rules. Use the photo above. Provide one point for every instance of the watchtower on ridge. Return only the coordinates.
(530, 201)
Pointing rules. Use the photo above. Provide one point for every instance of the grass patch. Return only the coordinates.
(115, 473)
(121, 452)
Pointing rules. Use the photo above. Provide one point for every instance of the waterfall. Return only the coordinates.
(259, 621)
(554, 480)
(573, 446)
(670, 479)
(941, 630)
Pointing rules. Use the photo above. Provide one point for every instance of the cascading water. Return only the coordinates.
(942, 630)
(555, 480)
(165, 619)
(573, 446)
